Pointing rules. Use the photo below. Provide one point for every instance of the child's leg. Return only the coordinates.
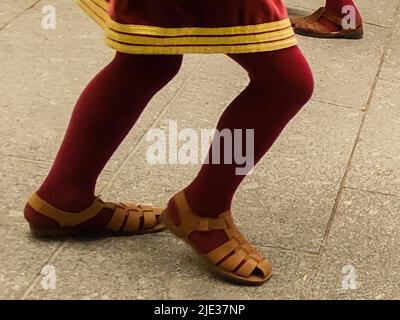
(280, 84)
(103, 116)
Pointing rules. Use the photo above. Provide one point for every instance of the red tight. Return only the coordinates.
(280, 84)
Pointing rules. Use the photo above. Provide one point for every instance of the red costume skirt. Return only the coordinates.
(192, 26)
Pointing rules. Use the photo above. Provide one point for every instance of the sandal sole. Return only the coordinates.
(350, 36)
(66, 232)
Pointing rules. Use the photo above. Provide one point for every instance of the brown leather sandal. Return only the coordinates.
(235, 260)
(311, 27)
(127, 219)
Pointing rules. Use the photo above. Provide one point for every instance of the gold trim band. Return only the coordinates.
(138, 39)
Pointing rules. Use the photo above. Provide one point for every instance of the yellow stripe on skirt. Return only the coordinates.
(140, 39)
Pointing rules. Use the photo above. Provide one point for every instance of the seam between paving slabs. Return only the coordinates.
(5, 25)
(338, 105)
(37, 278)
(39, 162)
(361, 127)
(396, 16)
(380, 193)
(13, 157)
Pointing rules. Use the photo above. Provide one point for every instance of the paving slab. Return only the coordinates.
(22, 258)
(18, 179)
(335, 62)
(364, 235)
(391, 65)
(376, 164)
(12, 8)
(161, 267)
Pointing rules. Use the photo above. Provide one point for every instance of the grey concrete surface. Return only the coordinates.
(364, 234)
(376, 160)
(325, 198)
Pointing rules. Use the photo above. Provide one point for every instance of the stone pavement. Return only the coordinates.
(324, 205)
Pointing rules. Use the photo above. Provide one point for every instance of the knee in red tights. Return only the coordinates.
(282, 80)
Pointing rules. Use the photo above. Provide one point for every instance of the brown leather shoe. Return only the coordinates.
(311, 27)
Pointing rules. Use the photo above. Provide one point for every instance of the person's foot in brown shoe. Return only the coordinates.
(100, 218)
(329, 22)
(218, 241)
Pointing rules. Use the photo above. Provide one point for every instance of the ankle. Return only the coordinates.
(335, 8)
(70, 200)
(206, 205)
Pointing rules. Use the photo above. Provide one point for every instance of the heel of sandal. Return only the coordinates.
(170, 224)
(356, 35)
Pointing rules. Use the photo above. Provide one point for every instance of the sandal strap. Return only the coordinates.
(128, 216)
(332, 18)
(219, 253)
(235, 255)
(311, 22)
(190, 221)
(318, 14)
(119, 219)
(64, 218)
(305, 20)
(149, 216)
(240, 259)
